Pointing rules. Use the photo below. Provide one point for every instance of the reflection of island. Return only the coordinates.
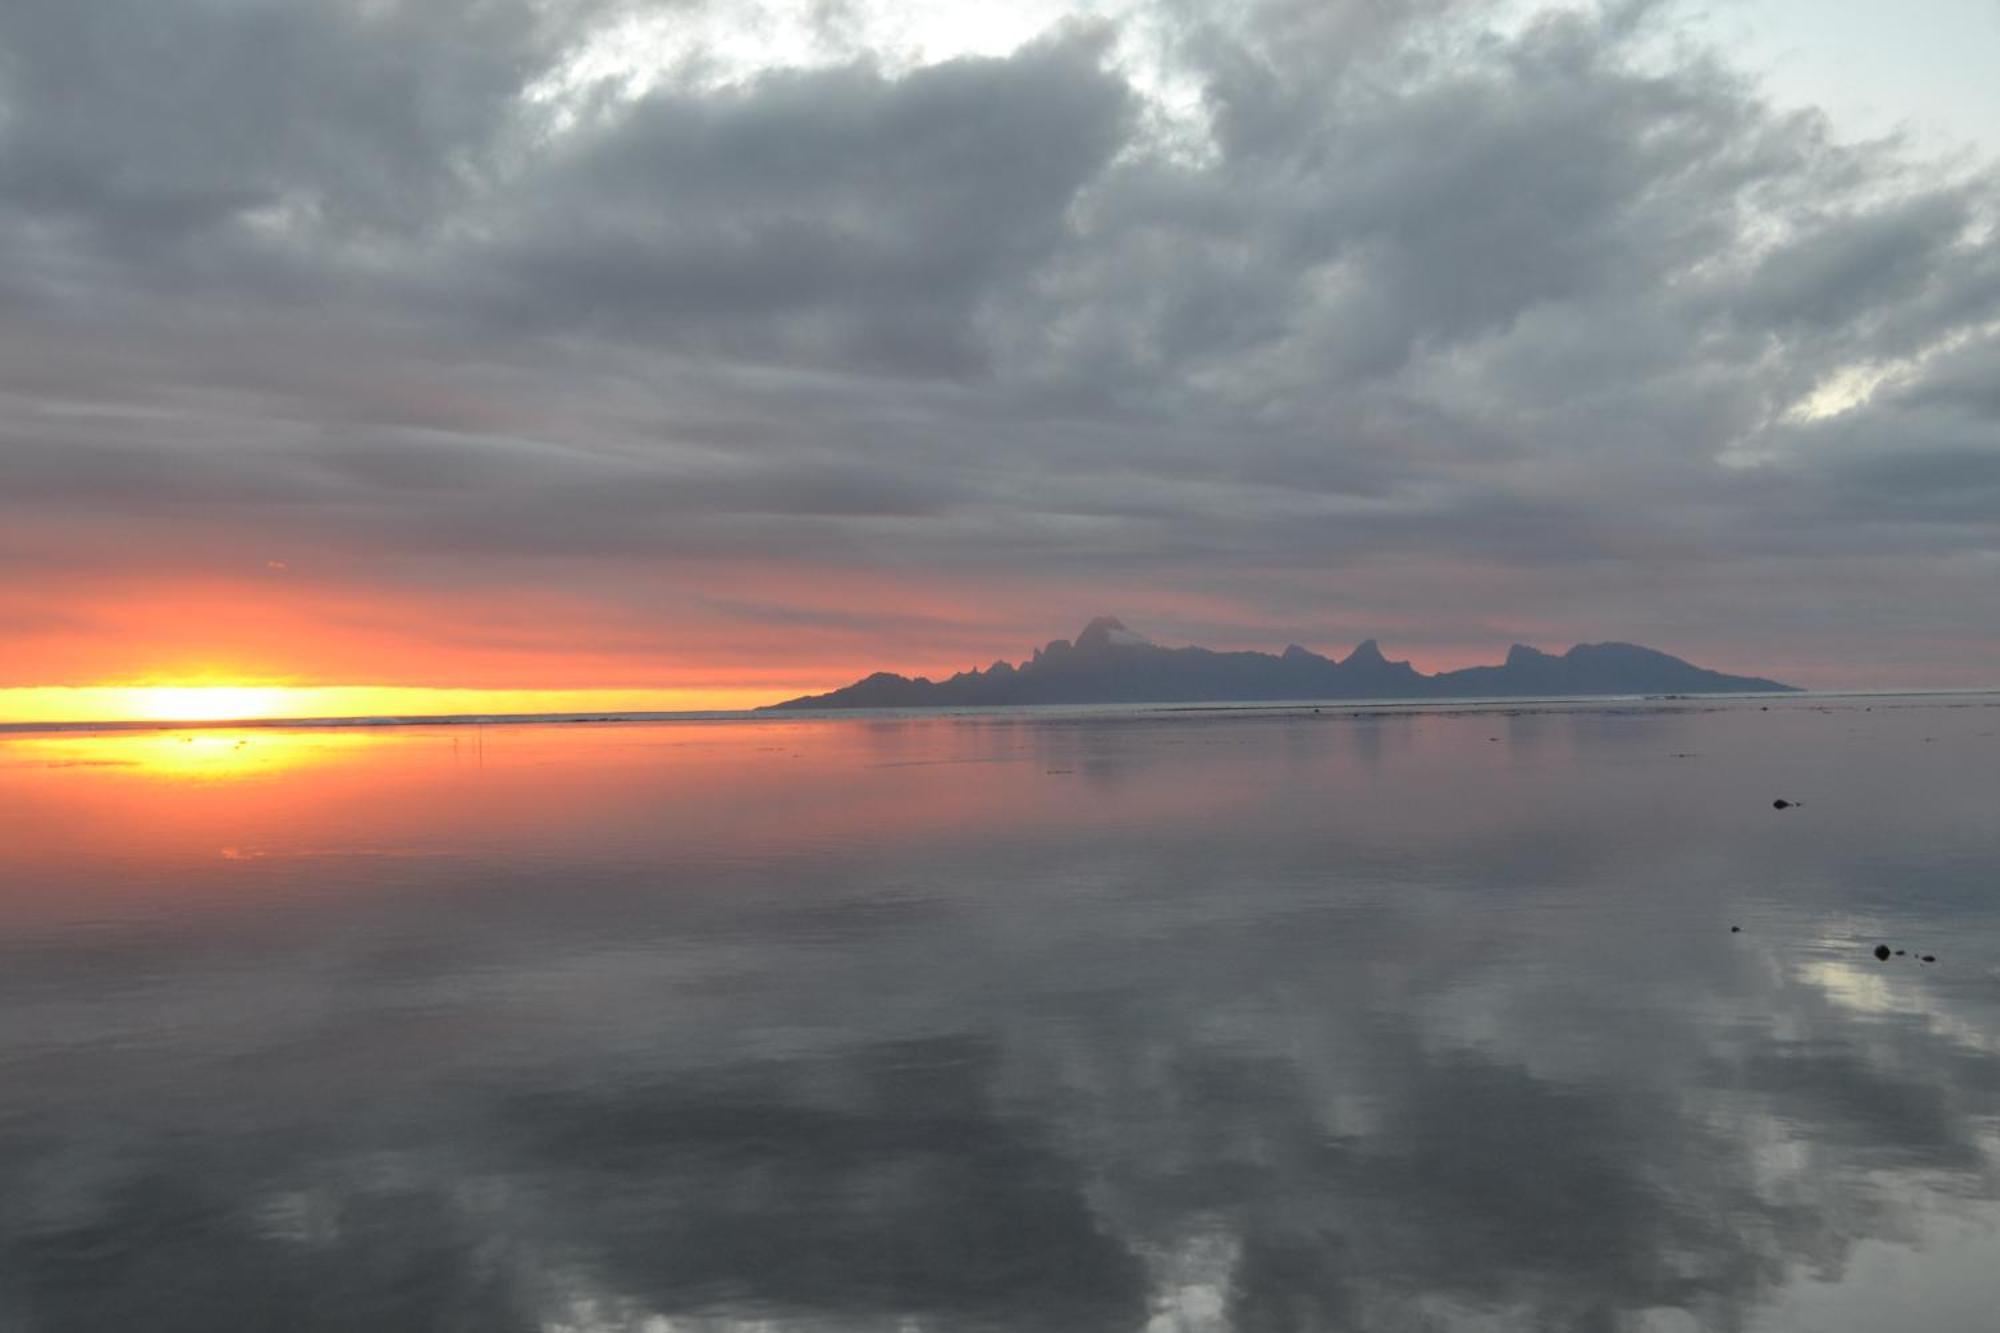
(1109, 663)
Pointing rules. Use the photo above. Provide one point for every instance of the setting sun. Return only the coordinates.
(201, 703)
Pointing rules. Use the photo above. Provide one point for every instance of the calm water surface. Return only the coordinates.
(1259, 1022)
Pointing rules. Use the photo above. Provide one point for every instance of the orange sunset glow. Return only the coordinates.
(223, 650)
(205, 703)
(216, 650)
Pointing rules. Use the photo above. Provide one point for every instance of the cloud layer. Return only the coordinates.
(741, 328)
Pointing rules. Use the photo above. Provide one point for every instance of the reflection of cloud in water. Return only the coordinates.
(1365, 1037)
(905, 1179)
(182, 1246)
(892, 1185)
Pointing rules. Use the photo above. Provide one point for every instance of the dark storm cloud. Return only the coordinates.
(148, 128)
(1377, 283)
(835, 215)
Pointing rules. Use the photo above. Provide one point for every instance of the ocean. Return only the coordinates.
(1451, 1018)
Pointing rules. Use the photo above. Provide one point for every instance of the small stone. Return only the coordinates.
(1899, 953)
(1782, 804)
(1881, 951)
(1930, 958)
(1736, 930)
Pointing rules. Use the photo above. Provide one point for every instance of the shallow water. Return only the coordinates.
(1270, 1021)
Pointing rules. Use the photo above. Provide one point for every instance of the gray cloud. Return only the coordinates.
(1382, 296)
(829, 216)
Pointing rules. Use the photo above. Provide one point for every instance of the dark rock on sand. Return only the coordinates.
(1930, 958)
(1881, 951)
(1782, 804)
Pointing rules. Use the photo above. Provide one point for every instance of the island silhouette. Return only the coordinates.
(1110, 663)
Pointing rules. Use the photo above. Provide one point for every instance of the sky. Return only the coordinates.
(436, 354)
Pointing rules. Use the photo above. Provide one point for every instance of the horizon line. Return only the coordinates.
(769, 712)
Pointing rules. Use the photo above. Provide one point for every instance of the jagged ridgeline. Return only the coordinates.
(1109, 663)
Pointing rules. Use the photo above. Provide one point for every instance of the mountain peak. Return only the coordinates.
(1366, 653)
(1613, 648)
(1110, 632)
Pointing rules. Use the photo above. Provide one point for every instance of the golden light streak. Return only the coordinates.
(206, 756)
(166, 703)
